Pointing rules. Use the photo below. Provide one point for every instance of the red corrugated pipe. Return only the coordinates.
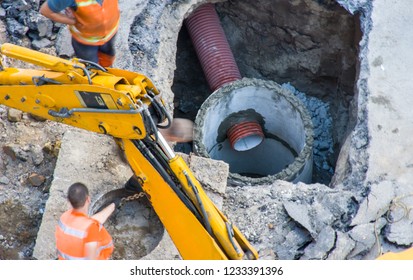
(212, 47)
(220, 68)
(245, 135)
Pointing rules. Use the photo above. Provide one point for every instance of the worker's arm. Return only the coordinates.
(57, 17)
(92, 242)
(103, 215)
(91, 249)
(180, 131)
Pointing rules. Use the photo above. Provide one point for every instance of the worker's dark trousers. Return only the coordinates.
(103, 55)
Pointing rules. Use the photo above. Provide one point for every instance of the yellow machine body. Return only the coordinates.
(120, 103)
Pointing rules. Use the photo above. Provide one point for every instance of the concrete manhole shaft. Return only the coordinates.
(285, 153)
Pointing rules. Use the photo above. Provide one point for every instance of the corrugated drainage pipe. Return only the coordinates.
(245, 135)
(212, 47)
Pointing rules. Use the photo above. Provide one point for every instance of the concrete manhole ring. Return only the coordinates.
(286, 152)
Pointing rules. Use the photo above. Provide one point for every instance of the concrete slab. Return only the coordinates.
(389, 103)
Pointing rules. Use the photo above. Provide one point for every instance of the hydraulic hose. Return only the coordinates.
(158, 166)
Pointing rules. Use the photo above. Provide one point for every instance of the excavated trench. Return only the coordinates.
(309, 49)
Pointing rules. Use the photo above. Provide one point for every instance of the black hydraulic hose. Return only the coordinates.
(204, 214)
(86, 72)
(160, 110)
(42, 80)
(155, 163)
(157, 107)
(230, 231)
(92, 64)
(165, 114)
(149, 121)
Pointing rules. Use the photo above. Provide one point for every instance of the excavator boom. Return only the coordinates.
(127, 106)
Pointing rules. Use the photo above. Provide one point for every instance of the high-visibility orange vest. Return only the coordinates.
(71, 233)
(96, 24)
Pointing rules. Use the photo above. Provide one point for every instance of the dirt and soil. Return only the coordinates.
(29, 149)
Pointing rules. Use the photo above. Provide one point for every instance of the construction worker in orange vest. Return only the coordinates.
(92, 23)
(78, 236)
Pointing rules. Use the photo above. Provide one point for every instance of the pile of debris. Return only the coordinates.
(26, 26)
(28, 153)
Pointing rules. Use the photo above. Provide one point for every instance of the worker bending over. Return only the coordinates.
(92, 23)
(78, 236)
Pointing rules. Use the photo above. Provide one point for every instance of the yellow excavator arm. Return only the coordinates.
(127, 106)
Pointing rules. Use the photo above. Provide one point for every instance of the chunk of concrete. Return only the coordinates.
(365, 236)
(343, 246)
(376, 203)
(320, 249)
(300, 213)
(212, 174)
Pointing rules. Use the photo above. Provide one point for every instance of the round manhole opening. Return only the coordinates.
(135, 227)
(283, 148)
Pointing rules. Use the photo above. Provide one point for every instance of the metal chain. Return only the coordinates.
(135, 196)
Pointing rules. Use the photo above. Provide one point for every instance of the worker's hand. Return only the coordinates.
(69, 13)
(180, 131)
(112, 206)
(104, 214)
(117, 204)
(61, 17)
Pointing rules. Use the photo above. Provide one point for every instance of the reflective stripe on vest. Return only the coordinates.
(94, 39)
(103, 247)
(87, 3)
(96, 23)
(68, 257)
(72, 231)
(62, 255)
